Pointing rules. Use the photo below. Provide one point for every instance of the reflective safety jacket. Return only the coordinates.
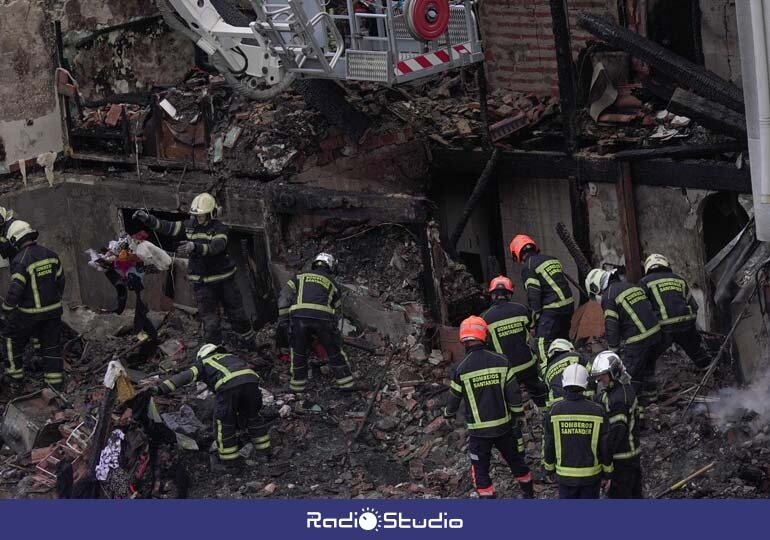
(624, 416)
(209, 261)
(508, 325)
(312, 295)
(488, 386)
(628, 316)
(575, 441)
(219, 372)
(6, 251)
(671, 299)
(37, 283)
(553, 372)
(547, 287)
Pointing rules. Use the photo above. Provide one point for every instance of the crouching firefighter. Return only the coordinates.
(561, 354)
(487, 385)
(314, 300)
(575, 440)
(210, 268)
(617, 396)
(548, 293)
(238, 399)
(508, 323)
(33, 305)
(675, 307)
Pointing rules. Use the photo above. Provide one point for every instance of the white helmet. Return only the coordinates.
(5, 214)
(18, 230)
(327, 259)
(608, 362)
(203, 204)
(575, 375)
(206, 350)
(597, 280)
(560, 345)
(656, 260)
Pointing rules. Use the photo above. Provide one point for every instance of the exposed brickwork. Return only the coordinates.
(519, 41)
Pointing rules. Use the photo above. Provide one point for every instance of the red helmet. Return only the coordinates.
(501, 282)
(473, 328)
(519, 242)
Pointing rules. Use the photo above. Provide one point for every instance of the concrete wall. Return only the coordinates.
(534, 207)
(719, 30)
(519, 41)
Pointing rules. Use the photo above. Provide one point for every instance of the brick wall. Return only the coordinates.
(519, 41)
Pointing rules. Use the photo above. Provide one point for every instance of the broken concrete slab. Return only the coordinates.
(97, 326)
(369, 313)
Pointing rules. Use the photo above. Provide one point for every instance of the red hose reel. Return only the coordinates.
(426, 20)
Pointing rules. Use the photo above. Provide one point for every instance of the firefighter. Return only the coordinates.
(210, 268)
(508, 325)
(6, 219)
(548, 292)
(33, 305)
(631, 327)
(617, 396)
(561, 354)
(575, 440)
(238, 399)
(675, 306)
(312, 301)
(486, 382)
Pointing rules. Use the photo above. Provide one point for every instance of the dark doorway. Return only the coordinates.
(675, 24)
(250, 253)
(723, 219)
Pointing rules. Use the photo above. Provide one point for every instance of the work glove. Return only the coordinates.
(142, 216)
(185, 249)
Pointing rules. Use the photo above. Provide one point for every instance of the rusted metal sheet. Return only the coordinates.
(29, 422)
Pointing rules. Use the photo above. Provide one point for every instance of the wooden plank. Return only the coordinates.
(566, 70)
(628, 226)
(708, 113)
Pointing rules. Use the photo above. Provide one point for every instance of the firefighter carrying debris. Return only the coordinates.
(211, 270)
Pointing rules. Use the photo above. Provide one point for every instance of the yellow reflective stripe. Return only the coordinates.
(220, 236)
(618, 418)
(560, 303)
(60, 271)
(205, 249)
(550, 467)
(674, 320)
(492, 329)
(262, 438)
(466, 379)
(455, 387)
(283, 311)
(522, 367)
(516, 409)
(557, 367)
(232, 376)
(199, 236)
(45, 309)
(54, 377)
(659, 300)
(195, 372)
(177, 228)
(170, 385)
(578, 472)
(551, 283)
(19, 277)
(621, 299)
(611, 313)
(211, 279)
(645, 335)
(531, 282)
(490, 423)
(291, 285)
(317, 307)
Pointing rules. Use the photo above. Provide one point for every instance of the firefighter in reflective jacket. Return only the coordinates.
(508, 324)
(6, 219)
(631, 324)
(617, 396)
(32, 306)
(575, 440)
(675, 306)
(561, 354)
(311, 301)
(210, 268)
(238, 398)
(487, 384)
(548, 292)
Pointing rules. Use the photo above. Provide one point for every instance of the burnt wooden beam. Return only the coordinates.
(628, 226)
(708, 113)
(683, 151)
(566, 71)
(693, 175)
(681, 70)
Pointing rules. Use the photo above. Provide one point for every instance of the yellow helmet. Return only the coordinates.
(18, 230)
(203, 204)
(5, 214)
(655, 260)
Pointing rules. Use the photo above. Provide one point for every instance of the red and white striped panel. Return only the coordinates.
(425, 61)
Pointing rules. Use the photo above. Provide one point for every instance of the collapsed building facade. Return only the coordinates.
(105, 110)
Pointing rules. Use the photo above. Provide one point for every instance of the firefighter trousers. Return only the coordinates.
(210, 296)
(551, 325)
(480, 452)
(690, 341)
(303, 330)
(17, 334)
(626, 480)
(640, 361)
(238, 408)
(536, 388)
(589, 491)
